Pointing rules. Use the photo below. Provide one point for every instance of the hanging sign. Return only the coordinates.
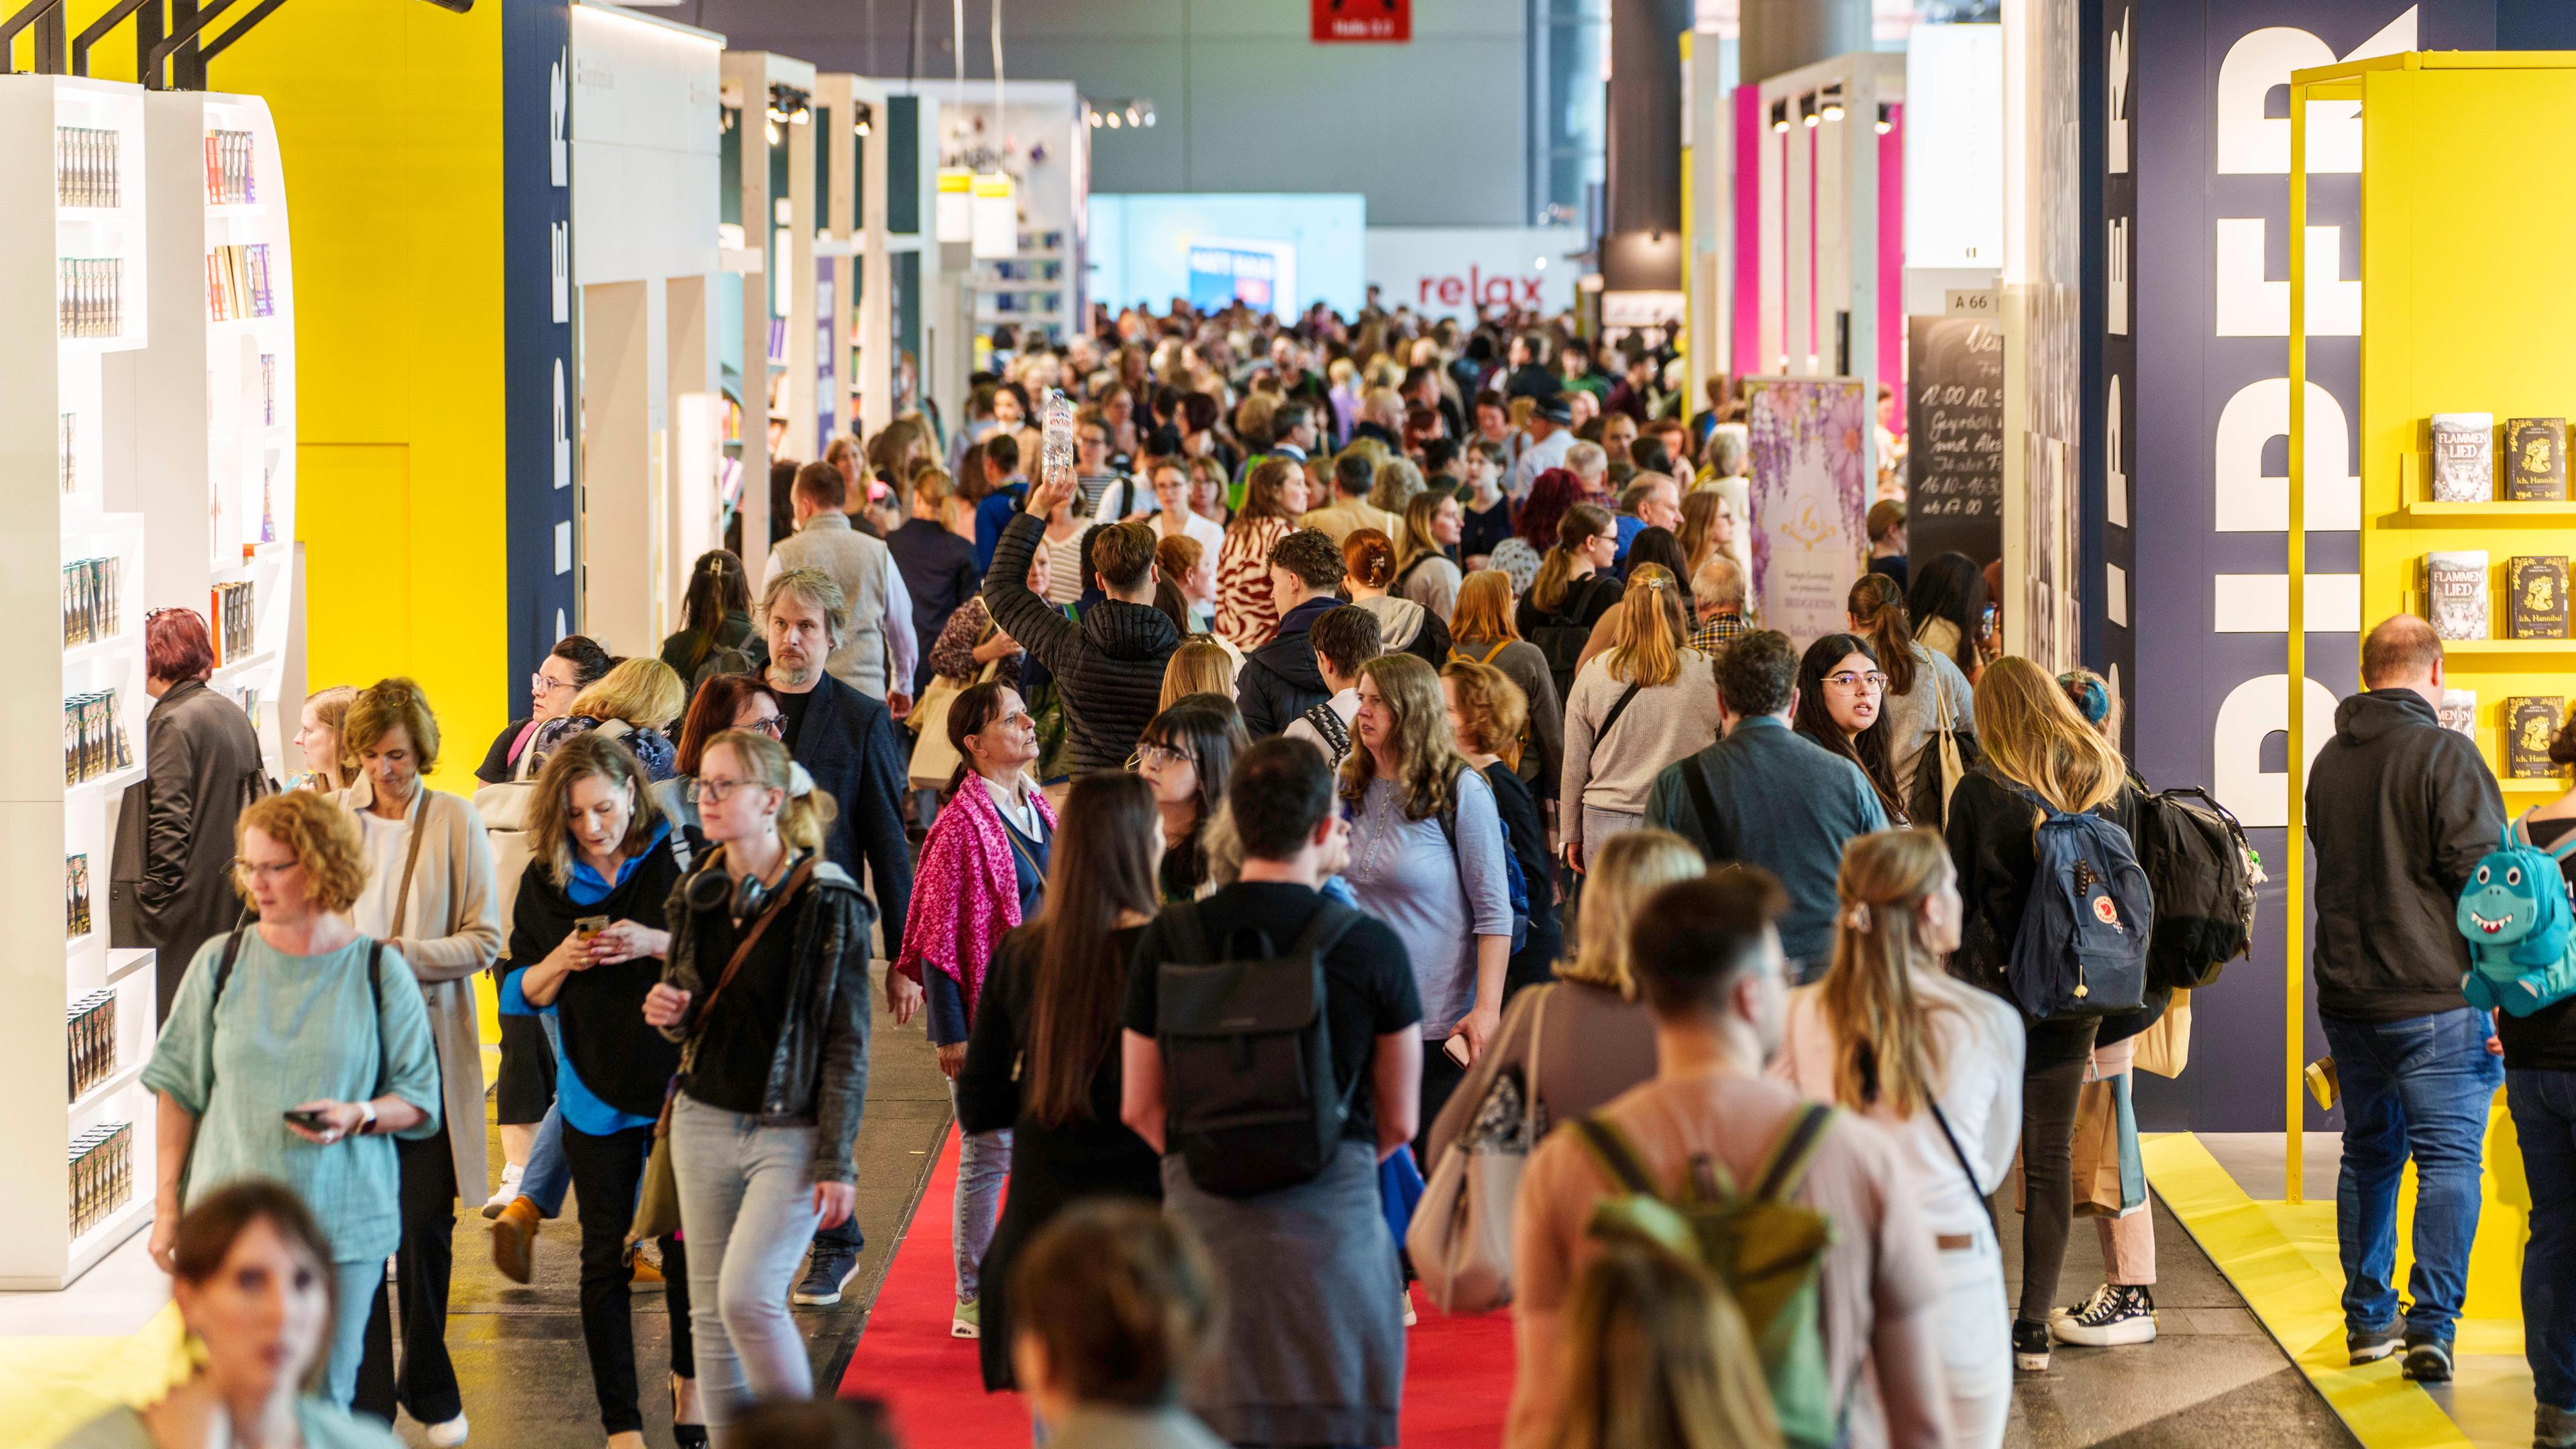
(1811, 471)
(1338, 21)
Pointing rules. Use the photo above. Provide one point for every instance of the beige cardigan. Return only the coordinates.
(452, 930)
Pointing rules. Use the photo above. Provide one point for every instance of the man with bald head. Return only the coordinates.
(2400, 810)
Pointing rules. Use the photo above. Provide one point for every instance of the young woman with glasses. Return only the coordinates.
(983, 867)
(766, 990)
(573, 665)
(1188, 751)
(1840, 688)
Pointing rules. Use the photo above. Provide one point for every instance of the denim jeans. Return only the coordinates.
(2420, 1087)
(360, 1285)
(983, 1166)
(746, 1210)
(547, 1174)
(2544, 1117)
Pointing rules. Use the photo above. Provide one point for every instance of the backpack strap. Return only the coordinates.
(1324, 930)
(1791, 1153)
(1618, 707)
(2522, 827)
(224, 968)
(1617, 1159)
(376, 989)
(1703, 803)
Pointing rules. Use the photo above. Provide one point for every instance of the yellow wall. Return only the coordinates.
(389, 118)
(2465, 308)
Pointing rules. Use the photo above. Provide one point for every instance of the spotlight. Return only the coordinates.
(774, 133)
(1780, 115)
(1149, 115)
(1807, 109)
(1113, 120)
(1135, 117)
(1538, 264)
(1093, 117)
(1886, 118)
(1834, 102)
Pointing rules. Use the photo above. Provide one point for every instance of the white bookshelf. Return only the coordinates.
(59, 480)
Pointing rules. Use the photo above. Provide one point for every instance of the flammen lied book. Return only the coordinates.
(2459, 711)
(2463, 457)
(2455, 592)
(2536, 598)
(2536, 468)
(2530, 723)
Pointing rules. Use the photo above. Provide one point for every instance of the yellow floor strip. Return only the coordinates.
(2283, 1259)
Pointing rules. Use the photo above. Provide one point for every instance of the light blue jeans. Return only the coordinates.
(548, 1175)
(747, 1208)
(983, 1166)
(357, 1285)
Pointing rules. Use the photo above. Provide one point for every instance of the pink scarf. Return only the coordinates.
(965, 891)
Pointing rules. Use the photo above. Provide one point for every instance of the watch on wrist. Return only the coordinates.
(367, 1127)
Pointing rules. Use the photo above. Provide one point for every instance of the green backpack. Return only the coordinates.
(1764, 1248)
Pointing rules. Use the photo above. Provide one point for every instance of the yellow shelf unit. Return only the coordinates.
(2465, 307)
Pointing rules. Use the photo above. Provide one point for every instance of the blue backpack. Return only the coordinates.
(1515, 885)
(2515, 913)
(2082, 947)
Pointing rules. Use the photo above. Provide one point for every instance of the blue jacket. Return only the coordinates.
(849, 744)
(997, 509)
(1784, 803)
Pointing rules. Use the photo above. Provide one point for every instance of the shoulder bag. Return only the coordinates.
(657, 1199)
(1460, 1240)
(934, 759)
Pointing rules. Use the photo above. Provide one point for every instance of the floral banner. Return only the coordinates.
(1811, 491)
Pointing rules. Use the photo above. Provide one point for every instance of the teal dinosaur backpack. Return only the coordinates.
(2521, 930)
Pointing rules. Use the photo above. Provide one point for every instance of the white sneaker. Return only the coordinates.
(1409, 1315)
(449, 1434)
(2118, 1316)
(507, 1192)
(2083, 1308)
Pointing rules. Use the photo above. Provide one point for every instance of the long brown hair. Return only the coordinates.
(1483, 612)
(1264, 493)
(1418, 514)
(1884, 1053)
(1657, 1356)
(1646, 645)
(718, 587)
(550, 824)
(1815, 718)
(2032, 736)
(711, 712)
(1582, 523)
(1428, 761)
(1877, 609)
(1100, 867)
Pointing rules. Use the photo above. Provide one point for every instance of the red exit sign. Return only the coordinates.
(1363, 20)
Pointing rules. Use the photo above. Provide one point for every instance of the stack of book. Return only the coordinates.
(67, 452)
(228, 172)
(234, 617)
(76, 920)
(93, 737)
(102, 1173)
(93, 1040)
(85, 169)
(90, 296)
(92, 596)
(237, 283)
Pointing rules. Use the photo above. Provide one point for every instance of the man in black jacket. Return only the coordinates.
(847, 742)
(1279, 680)
(2400, 810)
(1108, 667)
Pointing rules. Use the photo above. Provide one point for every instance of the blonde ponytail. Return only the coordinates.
(1646, 647)
(1581, 524)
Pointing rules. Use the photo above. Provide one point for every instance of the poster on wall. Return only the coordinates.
(1812, 469)
(1344, 21)
(1954, 459)
(1261, 275)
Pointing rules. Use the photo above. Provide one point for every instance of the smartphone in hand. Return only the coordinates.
(310, 1121)
(1456, 1047)
(589, 926)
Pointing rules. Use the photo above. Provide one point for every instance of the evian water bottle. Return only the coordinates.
(1056, 455)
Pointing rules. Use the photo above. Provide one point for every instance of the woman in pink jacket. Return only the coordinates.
(982, 868)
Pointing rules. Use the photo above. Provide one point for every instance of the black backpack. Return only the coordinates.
(2202, 875)
(1248, 1055)
(1561, 639)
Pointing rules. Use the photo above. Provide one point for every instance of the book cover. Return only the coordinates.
(2530, 723)
(2536, 601)
(2463, 457)
(2537, 472)
(2455, 593)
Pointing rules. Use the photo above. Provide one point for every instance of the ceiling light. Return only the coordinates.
(1834, 102)
(774, 135)
(1780, 114)
(1113, 120)
(1807, 109)
(1134, 116)
(1149, 115)
(1093, 117)
(1886, 118)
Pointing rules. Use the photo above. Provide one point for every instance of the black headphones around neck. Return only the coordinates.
(712, 887)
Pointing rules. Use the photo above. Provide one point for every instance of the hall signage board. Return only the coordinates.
(1954, 425)
(1363, 21)
(1812, 462)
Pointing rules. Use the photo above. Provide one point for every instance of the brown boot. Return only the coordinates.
(514, 1239)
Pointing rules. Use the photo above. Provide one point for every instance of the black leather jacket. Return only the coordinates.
(819, 1077)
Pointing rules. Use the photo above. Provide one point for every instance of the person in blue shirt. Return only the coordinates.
(584, 949)
(1005, 494)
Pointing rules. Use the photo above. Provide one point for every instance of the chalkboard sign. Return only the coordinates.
(1954, 419)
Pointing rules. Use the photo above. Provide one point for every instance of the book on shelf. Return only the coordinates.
(2463, 457)
(86, 166)
(2536, 465)
(102, 1161)
(90, 296)
(235, 615)
(2530, 723)
(91, 1022)
(76, 918)
(229, 181)
(2536, 598)
(268, 388)
(2459, 711)
(237, 283)
(2455, 592)
(94, 741)
(92, 600)
(67, 453)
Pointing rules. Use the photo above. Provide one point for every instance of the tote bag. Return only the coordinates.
(1460, 1239)
(934, 759)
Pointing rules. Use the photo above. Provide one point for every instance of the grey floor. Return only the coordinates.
(2212, 1377)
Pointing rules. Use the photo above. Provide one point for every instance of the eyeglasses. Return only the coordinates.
(1873, 681)
(1161, 756)
(772, 725)
(1092, 440)
(542, 685)
(259, 870)
(703, 791)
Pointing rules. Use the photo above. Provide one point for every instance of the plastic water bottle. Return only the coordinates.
(1056, 452)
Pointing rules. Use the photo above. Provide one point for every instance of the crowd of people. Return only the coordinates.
(1367, 762)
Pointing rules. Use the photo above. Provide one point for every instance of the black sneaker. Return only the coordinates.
(2370, 1345)
(826, 1274)
(2117, 1315)
(2030, 1346)
(2428, 1361)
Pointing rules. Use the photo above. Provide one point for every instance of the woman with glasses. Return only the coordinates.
(430, 894)
(766, 991)
(635, 702)
(1840, 687)
(298, 1013)
(1924, 689)
(1188, 751)
(723, 702)
(585, 941)
(983, 866)
(573, 665)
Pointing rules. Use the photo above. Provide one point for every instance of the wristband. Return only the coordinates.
(368, 1127)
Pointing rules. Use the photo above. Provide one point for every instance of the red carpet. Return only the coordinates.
(1457, 1382)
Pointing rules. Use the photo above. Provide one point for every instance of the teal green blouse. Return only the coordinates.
(290, 1030)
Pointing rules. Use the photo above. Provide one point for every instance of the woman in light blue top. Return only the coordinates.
(254, 1288)
(283, 1018)
(1427, 857)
